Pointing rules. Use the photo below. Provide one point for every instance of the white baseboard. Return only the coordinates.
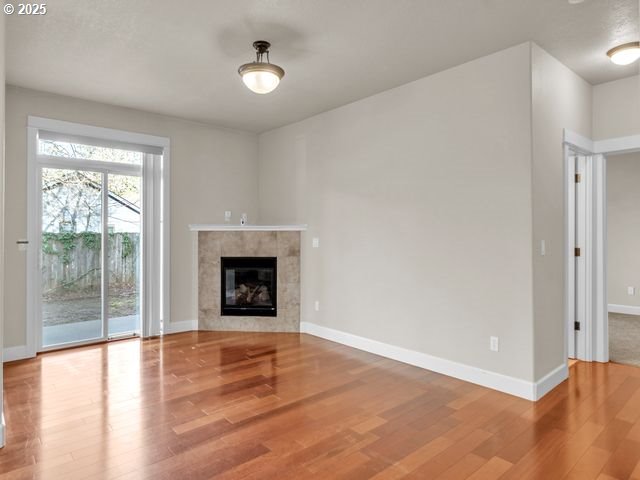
(550, 381)
(184, 326)
(628, 309)
(11, 354)
(497, 381)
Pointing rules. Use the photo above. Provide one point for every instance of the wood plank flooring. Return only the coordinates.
(219, 405)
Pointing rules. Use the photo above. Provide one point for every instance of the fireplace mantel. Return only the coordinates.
(225, 227)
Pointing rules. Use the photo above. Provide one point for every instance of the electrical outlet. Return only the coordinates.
(494, 344)
(543, 248)
(315, 243)
(227, 216)
(316, 305)
(631, 290)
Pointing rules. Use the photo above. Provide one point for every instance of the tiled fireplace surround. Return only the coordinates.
(285, 245)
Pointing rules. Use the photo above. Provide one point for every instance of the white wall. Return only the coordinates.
(616, 108)
(623, 228)
(422, 199)
(212, 170)
(560, 99)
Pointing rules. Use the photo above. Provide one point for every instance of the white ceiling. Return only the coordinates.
(180, 57)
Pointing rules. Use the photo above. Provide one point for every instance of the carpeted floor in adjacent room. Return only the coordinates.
(624, 338)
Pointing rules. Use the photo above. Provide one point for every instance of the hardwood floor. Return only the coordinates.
(286, 406)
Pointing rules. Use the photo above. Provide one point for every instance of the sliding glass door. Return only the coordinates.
(124, 254)
(71, 258)
(91, 249)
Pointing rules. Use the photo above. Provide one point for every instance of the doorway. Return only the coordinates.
(587, 299)
(98, 235)
(623, 273)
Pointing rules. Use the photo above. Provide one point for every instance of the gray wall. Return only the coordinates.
(616, 108)
(623, 228)
(422, 199)
(560, 99)
(212, 170)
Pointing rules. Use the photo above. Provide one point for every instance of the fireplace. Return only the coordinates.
(249, 286)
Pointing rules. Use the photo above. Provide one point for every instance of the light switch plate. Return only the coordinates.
(631, 290)
(315, 242)
(494, 344)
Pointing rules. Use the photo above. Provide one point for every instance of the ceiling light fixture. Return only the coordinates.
(625, 54)
(260, 76)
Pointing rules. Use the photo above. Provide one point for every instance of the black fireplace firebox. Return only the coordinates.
(249, 286)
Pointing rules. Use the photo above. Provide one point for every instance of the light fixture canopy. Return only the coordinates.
(260, 76)
(625, 54)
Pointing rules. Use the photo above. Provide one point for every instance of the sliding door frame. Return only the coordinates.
(155, 227)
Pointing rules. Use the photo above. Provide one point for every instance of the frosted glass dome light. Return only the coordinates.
(625, 54)
(260, 76)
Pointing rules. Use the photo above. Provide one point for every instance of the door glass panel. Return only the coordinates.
(71, 264)
(124, 216)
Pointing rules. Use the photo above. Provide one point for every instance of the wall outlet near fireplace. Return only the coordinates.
(316, 305)
(494, 344)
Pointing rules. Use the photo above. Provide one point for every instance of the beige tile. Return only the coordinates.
(288, 244)
(208, 246)
(288, 295)
(289, 270)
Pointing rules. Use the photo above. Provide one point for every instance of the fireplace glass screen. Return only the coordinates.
(249, 286)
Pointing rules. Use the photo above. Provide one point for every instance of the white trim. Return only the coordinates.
(156, 298)
(569, 259)
(485, 378)
(33, 331)
(617, 145)
(599, 326)
(585, 334)
(20, 352)
(626, 309)
(165, 226)
(550, 381)
(200, 227)
(183, 326)
(581, 144)
(70, 128)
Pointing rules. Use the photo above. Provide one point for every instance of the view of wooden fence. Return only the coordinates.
(71, 262)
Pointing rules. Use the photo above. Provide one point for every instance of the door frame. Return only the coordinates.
(155, 173)
(596, 331)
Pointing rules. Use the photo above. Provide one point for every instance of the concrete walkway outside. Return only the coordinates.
(80, 331)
